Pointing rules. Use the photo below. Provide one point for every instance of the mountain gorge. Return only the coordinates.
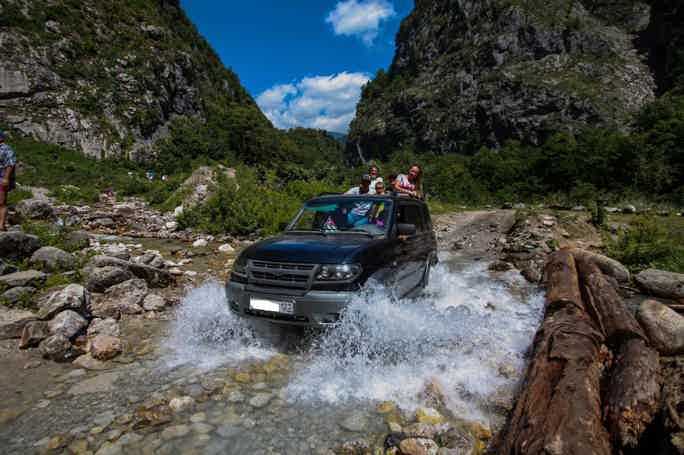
(468, 74)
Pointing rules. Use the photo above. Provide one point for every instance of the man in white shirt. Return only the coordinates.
(364, 187)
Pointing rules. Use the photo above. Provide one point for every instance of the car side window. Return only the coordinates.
(411, 214)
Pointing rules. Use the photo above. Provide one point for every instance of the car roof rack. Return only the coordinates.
(329, 194)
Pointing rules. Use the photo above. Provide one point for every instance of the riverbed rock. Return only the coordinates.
(99, 279)
(660, 283)
(35, 209)
(154, 277)
(34, 332)
(56, 347)
(15, 245)
(127, 296)
(73, 297)
(154, 302)
(261, 399)
(105, 347)
(151, 259)
(18, 295)
(107, 326)
(429, 416)
(226, 248)
(356, 422)
(51, 259)
(67, 323)
(32, 278)
(180, 404)
(119, 251)
(89, 363)
(77, 240)
(664, 327)
(12, 322)
(200, 243)
(418, 446)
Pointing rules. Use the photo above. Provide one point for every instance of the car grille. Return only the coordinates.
(281, 274)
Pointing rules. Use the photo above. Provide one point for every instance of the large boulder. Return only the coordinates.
(154, 302)
(53, 259)
(77, 240)
(123, 298)
(73, 297)
(12, 322)
(31, 278)
(34, 332)
(660, 283)
(68, 323)
(99, 279)
(155, 277)
(35, 209)
(107, 326)
(16, 245)
(105, 347)
(664, 327)
(17, 296)
(58, 348)
(608, 266)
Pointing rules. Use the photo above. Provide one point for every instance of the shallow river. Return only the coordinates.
(258, 388)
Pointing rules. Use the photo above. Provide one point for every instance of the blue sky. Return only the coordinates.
(304, 61)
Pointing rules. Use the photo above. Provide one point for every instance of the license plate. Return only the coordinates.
(271, 306)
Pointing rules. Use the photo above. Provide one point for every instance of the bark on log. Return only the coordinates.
(610, 267)
(559, 408)
(606, 306)
(562, 281)
(634, 393)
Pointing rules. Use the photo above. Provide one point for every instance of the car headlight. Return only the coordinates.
(342, 272)
(240, 266)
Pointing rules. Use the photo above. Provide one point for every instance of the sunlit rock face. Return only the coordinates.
(468, 73)
(106, 78)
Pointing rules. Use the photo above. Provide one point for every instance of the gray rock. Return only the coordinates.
(77, 240)
(89, 363)
(57, 347)
(105, 347)
(151, 259)
(664, 327)
(12, 322)
(123, 298)
(175, 431)
(260, 400)
(34, 332)
(73, 297)
(16, 245)
(67, 323)
(154, 277)
(32, 278)
(108, 326)
(660, 283)
(35, 209)
(18, 295)
(104, 222)
(356, 422)
(228, 431)
(103, 382)
(99, 279)
(53, 259)
(154, 302)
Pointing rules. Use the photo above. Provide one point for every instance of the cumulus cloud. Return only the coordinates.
(360, 18)
(322, 102)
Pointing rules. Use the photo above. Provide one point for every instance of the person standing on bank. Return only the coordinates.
(8, 161)
(410, 183)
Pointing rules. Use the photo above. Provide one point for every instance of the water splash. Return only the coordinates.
(206, 334)
(469, 333)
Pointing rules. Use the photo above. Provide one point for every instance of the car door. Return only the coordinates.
(411, 257)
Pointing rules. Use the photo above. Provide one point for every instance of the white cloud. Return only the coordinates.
(322, 102)
(360, 18)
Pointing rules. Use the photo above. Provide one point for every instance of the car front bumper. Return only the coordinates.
(313, 309)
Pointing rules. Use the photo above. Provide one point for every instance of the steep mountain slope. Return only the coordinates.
(472, 73)
(108, 77)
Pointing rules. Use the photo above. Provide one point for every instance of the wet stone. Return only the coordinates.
(175, 431)
(202, 428)
(355, 422)
(260, 400)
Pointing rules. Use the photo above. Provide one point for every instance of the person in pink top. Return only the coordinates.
(410, 183)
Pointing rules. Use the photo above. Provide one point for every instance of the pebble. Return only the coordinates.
(130, 438)
(175, 431)
(236, 397)
(356, 422)
(180, 404)
(228, 431)
(202, 428)
(42, 404)
(199, 417)
(260, 400)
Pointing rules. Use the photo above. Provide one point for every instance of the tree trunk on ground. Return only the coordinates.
(562, 282)
(558, 410)
(606, 306)
(634, 393)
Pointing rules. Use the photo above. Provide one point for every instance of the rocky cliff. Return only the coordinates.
(472, 73)
(107, 77)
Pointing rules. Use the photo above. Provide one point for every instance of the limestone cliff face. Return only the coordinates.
(469, 73)
(106, 77)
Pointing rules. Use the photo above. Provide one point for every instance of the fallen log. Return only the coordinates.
(559, 408)
(633, 396)
(606, 306)
(562, 281)
(610, 267)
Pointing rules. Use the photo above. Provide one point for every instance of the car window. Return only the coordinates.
(371, 215)
(410, 214)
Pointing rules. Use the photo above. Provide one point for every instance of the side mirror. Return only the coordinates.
(405, 229)
(283, 225)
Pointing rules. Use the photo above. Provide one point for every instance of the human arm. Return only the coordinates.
(397, 184)
(6, 177)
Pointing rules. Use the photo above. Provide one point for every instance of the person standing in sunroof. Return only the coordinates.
(8, 162)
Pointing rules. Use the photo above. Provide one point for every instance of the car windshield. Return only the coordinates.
(370, 216)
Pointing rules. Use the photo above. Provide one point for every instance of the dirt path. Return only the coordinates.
(475, 234)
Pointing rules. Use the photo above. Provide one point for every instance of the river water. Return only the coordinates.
(468, 333)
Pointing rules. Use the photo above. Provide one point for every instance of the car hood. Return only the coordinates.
(315, 249)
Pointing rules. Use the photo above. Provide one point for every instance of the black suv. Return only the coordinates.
(327, 254)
